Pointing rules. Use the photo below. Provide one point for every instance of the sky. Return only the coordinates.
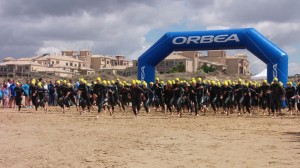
(130, 27)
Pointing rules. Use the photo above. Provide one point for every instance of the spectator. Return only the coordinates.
(1, 95)
(6, 96)
(12, 101)
(26, 93)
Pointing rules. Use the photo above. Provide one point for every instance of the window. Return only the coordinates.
(57, 62)
(71, 64)
(67, 64)
(79, 65)
(52, 62)
(75, 65)
(136, 64)
(27, 68)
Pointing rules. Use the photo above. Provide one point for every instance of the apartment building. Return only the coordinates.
(84, 62)
(237, 64)
(174, 60)
(59, 65)
(26, 68)
(218, 66)
(65, 62)
(101, 62)
(83, 55)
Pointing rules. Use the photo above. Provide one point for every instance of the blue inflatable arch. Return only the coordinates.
(246, 38)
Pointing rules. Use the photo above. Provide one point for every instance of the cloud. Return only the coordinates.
(123, 27)
(294, 68)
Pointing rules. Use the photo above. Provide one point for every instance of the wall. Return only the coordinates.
(233, 66)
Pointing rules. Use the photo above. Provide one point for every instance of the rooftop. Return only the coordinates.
(237, 57)
(108, 57)
(8, 58)
(59, 57)
(20, 63)
(49, 69)
(177, 57)
(120, 67)
(212, 63)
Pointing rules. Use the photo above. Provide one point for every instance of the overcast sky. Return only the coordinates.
(129, 27)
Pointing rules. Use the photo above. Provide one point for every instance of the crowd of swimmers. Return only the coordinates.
(195, 96)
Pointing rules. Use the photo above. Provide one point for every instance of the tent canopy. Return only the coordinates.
(261, 75)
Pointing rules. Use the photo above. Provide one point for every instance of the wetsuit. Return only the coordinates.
(135, 94)
(101, 91)
(193, 96)
(290, 92)
(19, 93)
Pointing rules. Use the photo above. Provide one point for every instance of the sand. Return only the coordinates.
(35, 139)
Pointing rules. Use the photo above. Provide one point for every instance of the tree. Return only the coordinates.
(178, 68)
(181, 68)
(208, 69)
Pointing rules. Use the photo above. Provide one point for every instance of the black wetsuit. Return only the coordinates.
(290, 92)
(101, 91)
(135, 94)
(19, 93)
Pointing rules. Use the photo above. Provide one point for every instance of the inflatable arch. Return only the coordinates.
(245, 38)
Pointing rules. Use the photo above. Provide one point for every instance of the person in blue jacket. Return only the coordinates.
(1, 95)
(25, 87)
(12, 100)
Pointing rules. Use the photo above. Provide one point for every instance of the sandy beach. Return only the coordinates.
(53, 139)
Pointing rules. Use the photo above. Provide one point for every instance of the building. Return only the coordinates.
(218, 56)
(218, 66)
(59, 65)
(194, 55)
(99, 62)
(28, 69)
(83, 55)
(84, 62)
(174, 60)
(237, 64)
(193, 61)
